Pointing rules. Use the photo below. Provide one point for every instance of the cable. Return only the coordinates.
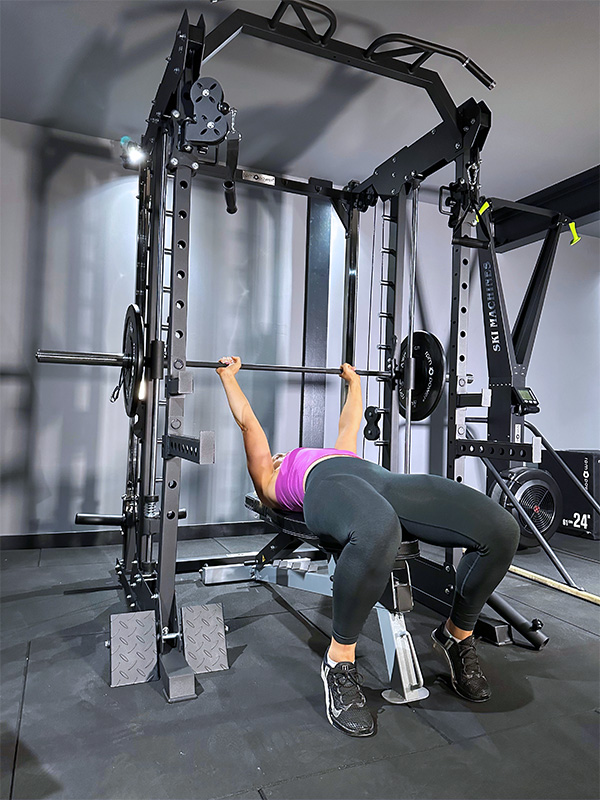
(370, 310)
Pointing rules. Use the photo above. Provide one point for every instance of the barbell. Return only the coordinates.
(428, 356)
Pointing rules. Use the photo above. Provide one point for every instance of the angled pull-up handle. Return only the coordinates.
(299, 6)
(425, 50)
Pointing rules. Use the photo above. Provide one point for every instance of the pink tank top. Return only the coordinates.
(289, 485)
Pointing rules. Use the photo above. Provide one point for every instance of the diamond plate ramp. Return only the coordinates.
(204, 637)
(132, 648)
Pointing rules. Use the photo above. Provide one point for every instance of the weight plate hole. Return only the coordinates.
(181, 244)
(463, 334)
(181, 274)
(501, 451)
(180, 304)
(465, 285)
(466, 262)
(179, 334)
(182, 214)
(172, 484)
(170, 515)
(459, 479)
(463, 310)
(183, 184)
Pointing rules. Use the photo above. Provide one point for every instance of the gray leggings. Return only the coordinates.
(363, 508)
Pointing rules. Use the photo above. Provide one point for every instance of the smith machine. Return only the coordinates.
(191, 131)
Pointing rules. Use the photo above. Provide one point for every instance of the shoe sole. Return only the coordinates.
(442, 651)
(332, 720)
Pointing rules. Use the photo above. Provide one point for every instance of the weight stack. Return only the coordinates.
(579, 517)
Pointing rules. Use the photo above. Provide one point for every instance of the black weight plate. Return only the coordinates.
(430, 374)
(133, 352)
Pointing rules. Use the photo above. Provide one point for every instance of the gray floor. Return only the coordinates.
(258, 730)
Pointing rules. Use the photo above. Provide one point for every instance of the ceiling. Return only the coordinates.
(92, 67)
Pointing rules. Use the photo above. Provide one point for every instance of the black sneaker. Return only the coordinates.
(345, 703)
(465, 671)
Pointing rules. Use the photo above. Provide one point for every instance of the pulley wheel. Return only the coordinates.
(430, 374)
(132, 370)
(211, 125)
(539, 494)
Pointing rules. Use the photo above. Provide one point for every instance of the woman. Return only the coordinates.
(364, 507)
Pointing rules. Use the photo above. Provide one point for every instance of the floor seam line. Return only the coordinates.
(403, 755)
(547, 613)
(432, 726)
(575, 555)
(18, 730)
(375, 760)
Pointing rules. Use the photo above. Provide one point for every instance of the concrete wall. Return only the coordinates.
(68, 255)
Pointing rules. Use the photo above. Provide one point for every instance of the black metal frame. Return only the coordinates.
(162, 272)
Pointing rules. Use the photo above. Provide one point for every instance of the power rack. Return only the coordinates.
(191, 131)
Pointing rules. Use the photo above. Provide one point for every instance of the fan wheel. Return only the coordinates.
(539, 495)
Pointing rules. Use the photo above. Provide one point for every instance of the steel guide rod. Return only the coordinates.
(409, 377)
(156, 299)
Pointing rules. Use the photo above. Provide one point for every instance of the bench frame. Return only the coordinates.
(312, 570)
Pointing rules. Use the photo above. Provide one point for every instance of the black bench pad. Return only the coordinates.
(293, 523)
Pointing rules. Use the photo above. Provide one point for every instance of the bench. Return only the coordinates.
(274, 565)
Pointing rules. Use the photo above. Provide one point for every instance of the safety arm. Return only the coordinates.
(351, 417)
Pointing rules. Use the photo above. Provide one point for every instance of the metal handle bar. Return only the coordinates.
(299, 6)
(427, 49)
(111, 519)
(116, 360)
(283, 368)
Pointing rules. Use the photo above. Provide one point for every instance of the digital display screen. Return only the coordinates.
(527, 395)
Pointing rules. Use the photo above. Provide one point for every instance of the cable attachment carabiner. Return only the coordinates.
(473, 177)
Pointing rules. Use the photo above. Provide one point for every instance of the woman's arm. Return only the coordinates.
(351, 416)
(258, 452)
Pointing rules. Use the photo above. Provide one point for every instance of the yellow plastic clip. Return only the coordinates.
(483, 208)
(576, 237)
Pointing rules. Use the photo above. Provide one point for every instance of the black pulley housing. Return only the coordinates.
(539, 494)
(211, 120)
